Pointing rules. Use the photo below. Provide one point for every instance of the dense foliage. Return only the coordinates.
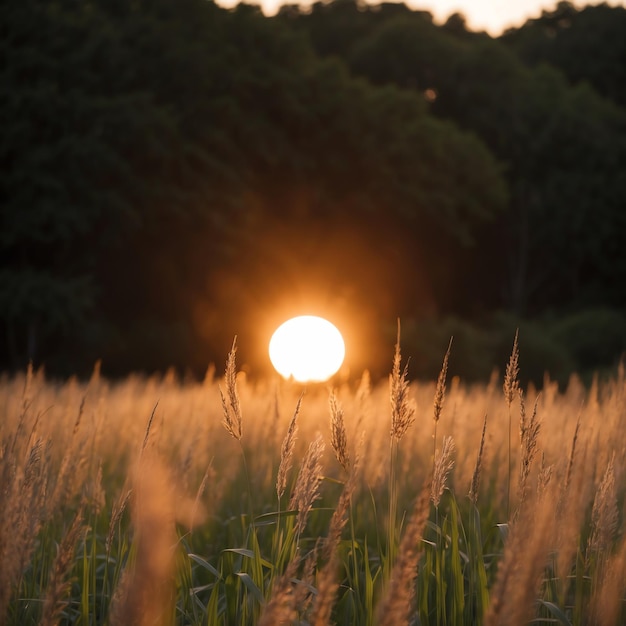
(174, 173)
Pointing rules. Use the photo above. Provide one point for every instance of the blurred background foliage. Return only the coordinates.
(174, 173)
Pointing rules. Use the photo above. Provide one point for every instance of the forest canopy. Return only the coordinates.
(175, 173)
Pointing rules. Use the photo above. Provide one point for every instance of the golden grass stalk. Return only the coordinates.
(511, 388)
(116, 515)
(402, 416)
(196, 508)
(566, 503)
(475, 484)
(608, 595)
(440, 390)
(544, 476)
(72, 464)
(304, 586)
(146, 436)
(511, 381)
(230, 402)
(513, 595)
(94, 494)
(327, 583)
(442, 467)
(529, 432)
(286, 452)
(402, 409)
(145, 594)
(440, 394)
(572, 454)
(59, 585)
(574, 499)
(280, 609)
(394, 607)
(306, 490)
(604, 514)
(338, 439)
(290, 596)
(23, 493)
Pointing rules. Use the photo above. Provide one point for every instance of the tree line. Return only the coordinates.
(174, 173)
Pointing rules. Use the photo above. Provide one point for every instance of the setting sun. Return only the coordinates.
(307, 348)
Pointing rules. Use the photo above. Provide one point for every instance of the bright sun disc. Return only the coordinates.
(307, 348)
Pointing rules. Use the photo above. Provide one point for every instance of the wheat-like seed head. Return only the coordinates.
(146, 436)
(608, 594)
(475, 484)
(572, 455)
(402, 408)
(544, 476)
(93, 492)
(303, 595)
(24, 491)
(573, 500)
(440, 391)
(511, 382)
(306, 490)
(604, 515)
(116, 515)
(529, 433)
(58, 585)
(338, 439)
(286, 452)
(443, 465)
(230, 402)
(195, 509)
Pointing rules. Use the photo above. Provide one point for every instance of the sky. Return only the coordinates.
(493, 16)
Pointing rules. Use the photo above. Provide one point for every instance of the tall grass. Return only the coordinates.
(152, 501)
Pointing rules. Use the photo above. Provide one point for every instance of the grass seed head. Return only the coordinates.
(604, 515)
(511, 381)
(230, 401)
(306, 490)
(440, 391)
(59, 585)
(338, 438)
(443, 465)
(572, 455)
(529, 433)
(544, 476)
(286, 452)
(402, 408)
(475, 484)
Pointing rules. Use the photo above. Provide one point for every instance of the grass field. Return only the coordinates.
(153, 501)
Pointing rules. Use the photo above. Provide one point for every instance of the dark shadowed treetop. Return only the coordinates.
(587, 45)
(560, 145)
(174, 173)
(160, 154)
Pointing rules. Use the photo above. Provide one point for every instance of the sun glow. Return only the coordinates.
(307, 348)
